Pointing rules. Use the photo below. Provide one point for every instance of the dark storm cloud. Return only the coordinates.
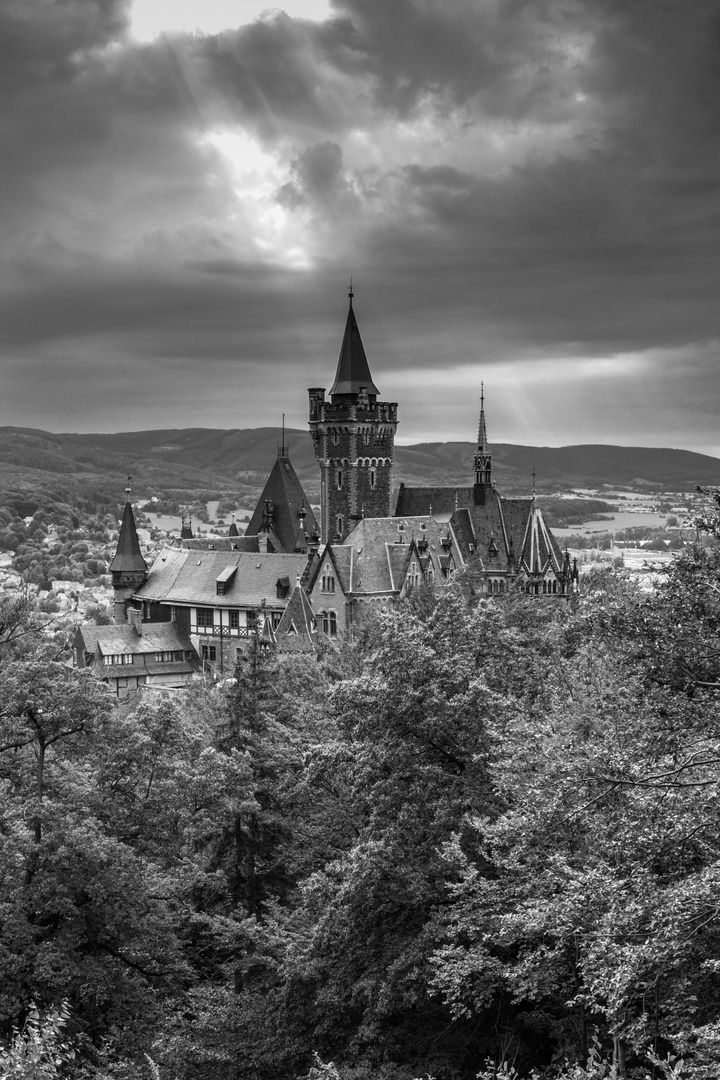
(531, 178)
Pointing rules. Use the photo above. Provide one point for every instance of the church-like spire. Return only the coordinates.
(353, 371)
(482, 462)
(127, 558)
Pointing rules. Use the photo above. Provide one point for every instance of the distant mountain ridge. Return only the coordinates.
(240, 459)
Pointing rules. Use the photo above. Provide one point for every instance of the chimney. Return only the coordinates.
(135, 619)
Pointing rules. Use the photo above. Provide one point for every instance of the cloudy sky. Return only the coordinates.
(526, 192)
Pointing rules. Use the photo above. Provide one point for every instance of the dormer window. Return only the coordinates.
(283, 587)
(224, 580)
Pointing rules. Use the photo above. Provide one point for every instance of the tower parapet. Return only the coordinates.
(353, 438)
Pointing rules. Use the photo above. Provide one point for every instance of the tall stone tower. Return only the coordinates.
(354, 440)
(128, 568)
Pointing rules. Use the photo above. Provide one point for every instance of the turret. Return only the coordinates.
(353, 438)
(128, 568)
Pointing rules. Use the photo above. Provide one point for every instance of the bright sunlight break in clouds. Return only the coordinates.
(525, 193)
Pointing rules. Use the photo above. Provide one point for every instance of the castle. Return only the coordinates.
(291, 581)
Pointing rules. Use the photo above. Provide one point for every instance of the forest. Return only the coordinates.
(481, 839)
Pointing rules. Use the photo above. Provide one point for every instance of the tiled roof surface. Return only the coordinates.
(435, 500)
(379, 564)
(127, 558)
(114, 640)
(509, 525)
(398, 557)
(284, 490)
(298, 613)
(219, 543)
(491, 532)
(190, 577)
(353, 370)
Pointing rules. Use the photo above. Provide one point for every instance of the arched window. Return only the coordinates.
(339, 478)
(333, 623)
(340, 523)
(372, 479)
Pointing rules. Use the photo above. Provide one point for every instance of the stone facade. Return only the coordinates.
(354, 442)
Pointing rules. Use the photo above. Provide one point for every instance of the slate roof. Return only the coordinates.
(379, 563)
(431, 500)
(353, 370)
(182, 576)
(298, 614)
(127, 558)
(219, 543)
(284, 490)
(492, 530)
(124, 639)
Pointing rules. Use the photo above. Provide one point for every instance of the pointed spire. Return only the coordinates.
(482, 462)
(353, 370)
(127, 558)
(283, 451)
(482, 432)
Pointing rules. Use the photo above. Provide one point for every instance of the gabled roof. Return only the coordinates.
(353, 370)
(339, 558)
(298, 617)
(124, 639)
(127, 558)
(284, 491)
(381, 548)
(182, 576)
(540, 550)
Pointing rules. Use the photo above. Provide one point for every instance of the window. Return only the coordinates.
(283, 587)
(324, 622)
(205, 617)
(339, 478)
(335, 436)
(209, 653)
(234, 619)
(333, 623)
(340, 524)
(372, 479)
(327, 582)
(169, 656)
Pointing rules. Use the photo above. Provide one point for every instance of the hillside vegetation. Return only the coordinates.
(189, 463)
(480, 840)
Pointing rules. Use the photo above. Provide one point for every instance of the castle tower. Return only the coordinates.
(482, 462)
(353, 437)
(128, 568)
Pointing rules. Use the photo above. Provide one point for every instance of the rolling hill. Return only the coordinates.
(185, 462)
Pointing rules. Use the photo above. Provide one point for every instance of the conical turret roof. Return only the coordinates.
(353, 370)
(292, 518)
(127, 558)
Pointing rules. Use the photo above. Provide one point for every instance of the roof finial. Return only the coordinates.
(351, 291)
(128, 489)
(534, 489)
